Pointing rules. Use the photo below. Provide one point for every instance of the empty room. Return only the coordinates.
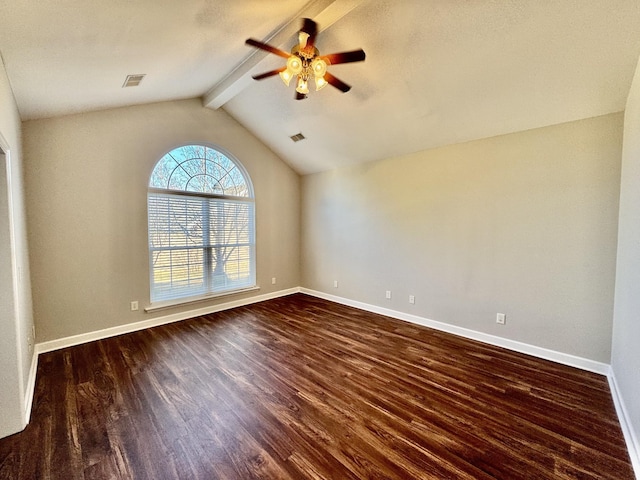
(320, 239)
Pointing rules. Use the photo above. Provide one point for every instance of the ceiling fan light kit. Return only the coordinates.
(305, 62)
(304, 65)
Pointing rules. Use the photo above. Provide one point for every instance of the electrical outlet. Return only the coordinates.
(501, 318)
(412, 299)
(335, 284)
(273, 280)
(134, 305)
(388, 295)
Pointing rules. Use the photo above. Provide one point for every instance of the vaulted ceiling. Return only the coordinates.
(437, 71)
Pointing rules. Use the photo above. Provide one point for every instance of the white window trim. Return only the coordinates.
(163, 304)
(200, 298)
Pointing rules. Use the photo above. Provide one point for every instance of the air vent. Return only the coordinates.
(133, 80)
(297, 137)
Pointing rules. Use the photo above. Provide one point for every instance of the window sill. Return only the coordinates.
(187, 301)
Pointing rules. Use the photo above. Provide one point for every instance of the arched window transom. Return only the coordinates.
(201, 225)
(199, 169)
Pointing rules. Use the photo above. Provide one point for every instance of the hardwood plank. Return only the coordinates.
(302, 388)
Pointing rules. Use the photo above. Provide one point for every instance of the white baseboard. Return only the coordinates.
(559, 357)
(563, 358)
(31, 386)
(155, 322)
(554, 356)
(630, 437)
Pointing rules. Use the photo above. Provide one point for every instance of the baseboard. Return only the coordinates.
(554, 356)
(31, 386)
(155, 322)
(630, 437)
(559, 357)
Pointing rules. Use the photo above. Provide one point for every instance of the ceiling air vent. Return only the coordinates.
(297, 137)
(133, 80)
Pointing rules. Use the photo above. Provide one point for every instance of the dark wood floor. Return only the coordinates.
(298, 387)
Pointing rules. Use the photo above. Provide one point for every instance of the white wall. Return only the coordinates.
(523, 224)
(625, 358)
(16, 320)
(87, 178)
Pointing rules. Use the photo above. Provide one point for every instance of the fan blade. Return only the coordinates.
(344, 57)
(339, 84)
(267, 48)
(269, 74)
(311, 29)
(300, 96)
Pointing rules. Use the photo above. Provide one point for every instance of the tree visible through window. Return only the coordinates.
(201, 224)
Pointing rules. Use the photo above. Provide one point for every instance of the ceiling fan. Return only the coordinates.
(305, 62)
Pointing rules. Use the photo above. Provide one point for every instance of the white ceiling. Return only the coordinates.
(437, 71)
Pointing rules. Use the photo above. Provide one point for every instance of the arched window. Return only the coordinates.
(201, 225)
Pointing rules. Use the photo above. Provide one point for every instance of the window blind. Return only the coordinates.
(199, 245)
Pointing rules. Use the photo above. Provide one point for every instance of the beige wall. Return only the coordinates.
(523, 224)
(625, 358)
(87, 177)
(16, 319)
